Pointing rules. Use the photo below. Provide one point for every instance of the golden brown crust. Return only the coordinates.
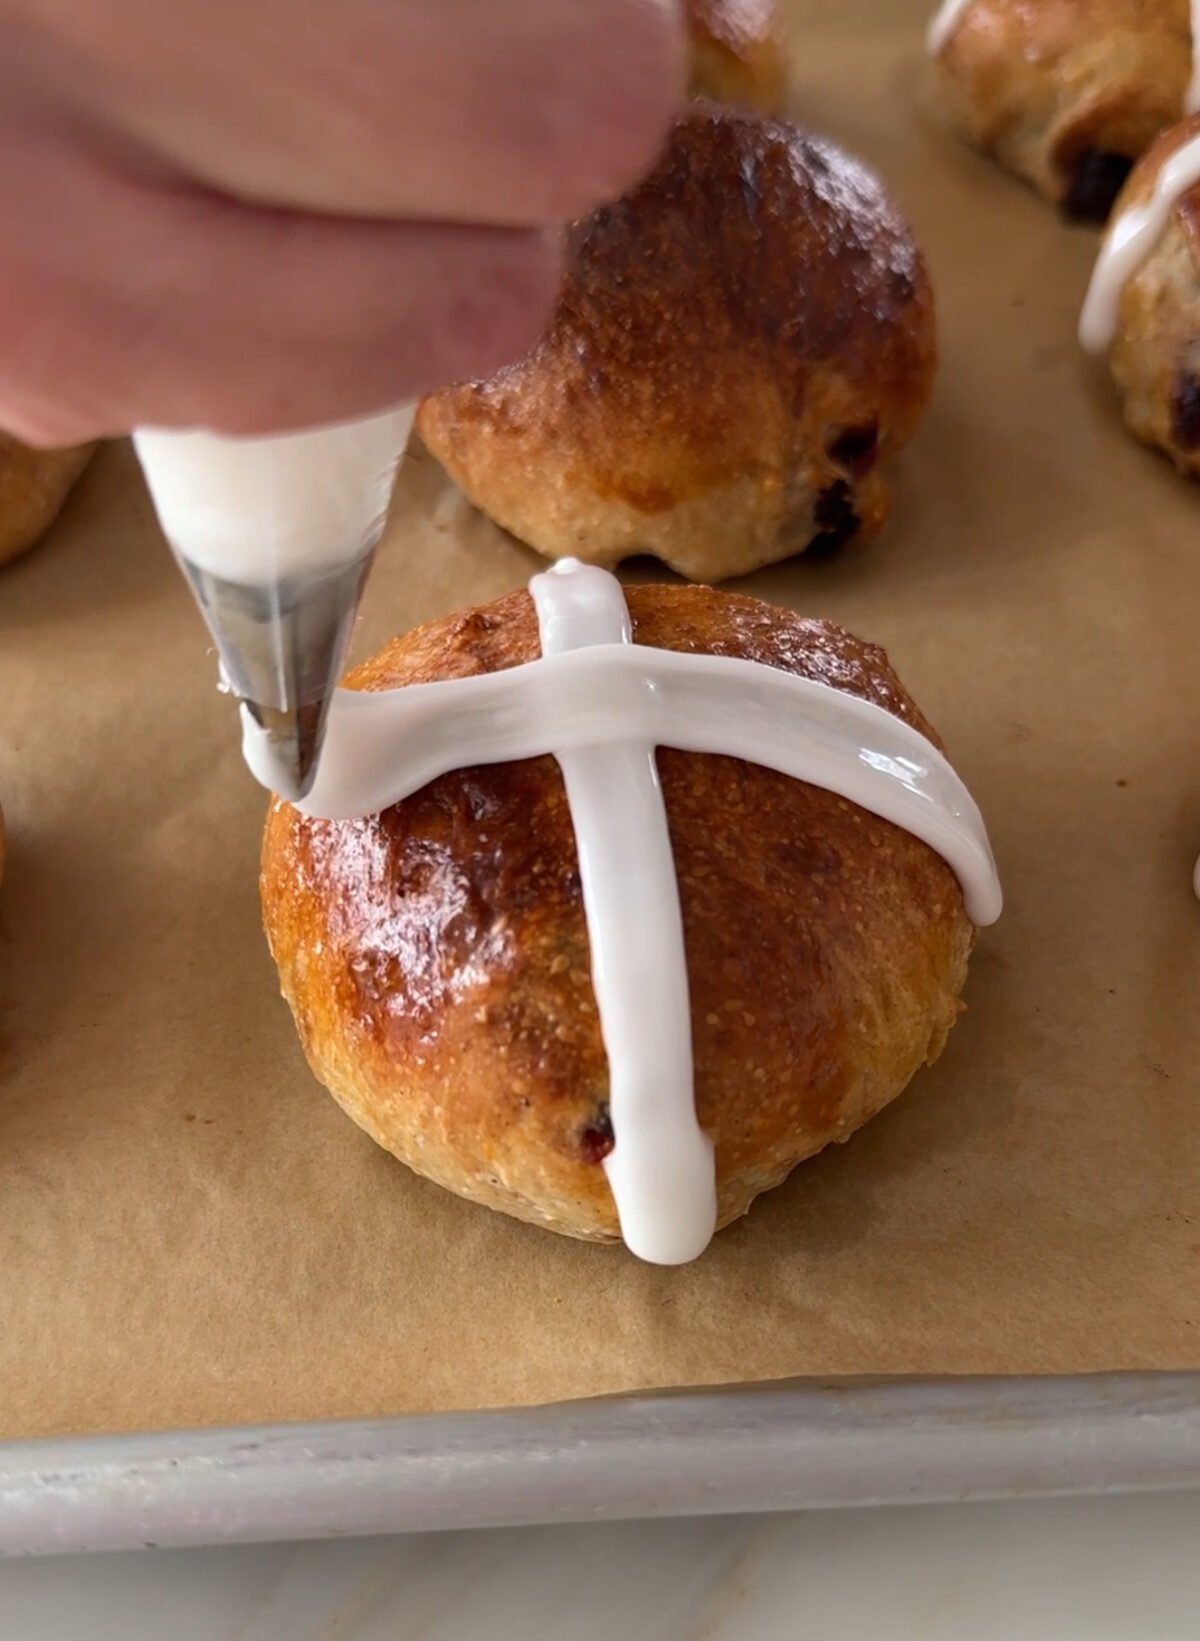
(1068, 93)
(1155, 356)
(435, 957)
(739, 346)
(3, 846)
(33, 486)
(737, 52)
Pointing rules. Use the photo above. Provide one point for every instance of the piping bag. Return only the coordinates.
(275, 537)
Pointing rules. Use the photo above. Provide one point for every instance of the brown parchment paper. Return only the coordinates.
(190, 1231)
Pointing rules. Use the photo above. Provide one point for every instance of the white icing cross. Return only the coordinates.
(661, 1168)
(1131, 238)
(600, 705)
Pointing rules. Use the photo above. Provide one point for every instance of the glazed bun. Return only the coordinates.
(739, 348)
(1154, 347)
(436, 956)
(737, 52)
(1064, 94)
(34, 484)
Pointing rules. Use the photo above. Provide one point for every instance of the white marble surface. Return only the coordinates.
(1105, 1569)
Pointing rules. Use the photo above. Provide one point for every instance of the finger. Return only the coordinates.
(513, 112)
(190, 310)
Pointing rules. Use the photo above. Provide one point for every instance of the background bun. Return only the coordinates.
(739, 347)
(1155, 354)
(737, 52)
(1066, 95)
(33, 486)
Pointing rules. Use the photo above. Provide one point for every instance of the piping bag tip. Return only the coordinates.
(281, 747)
(282, 650)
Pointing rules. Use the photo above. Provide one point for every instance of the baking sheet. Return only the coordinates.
(190, 1232)
(778, 1447)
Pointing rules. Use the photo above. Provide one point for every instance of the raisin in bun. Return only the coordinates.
(34, 484)
(736, 52)
(739, 347)
(436, 956)
(1146, 315)
(1065, 93)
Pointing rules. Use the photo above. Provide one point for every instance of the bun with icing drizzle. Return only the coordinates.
(740, 347)
(436, 955)
(737, 54)
(1143, 307)
(34, 484)
(1065, 95)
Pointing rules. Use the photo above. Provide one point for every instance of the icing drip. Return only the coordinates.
(949, 15)
(600, 705)
(1131, 237)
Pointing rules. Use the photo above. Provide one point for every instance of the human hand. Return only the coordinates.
(253, 215)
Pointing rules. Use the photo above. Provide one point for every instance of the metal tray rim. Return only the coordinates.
(737, 1450)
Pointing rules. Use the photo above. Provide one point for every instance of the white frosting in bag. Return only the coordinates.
(600, 705)
(259, 511)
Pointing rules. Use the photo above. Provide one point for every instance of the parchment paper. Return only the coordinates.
(190, 1231)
